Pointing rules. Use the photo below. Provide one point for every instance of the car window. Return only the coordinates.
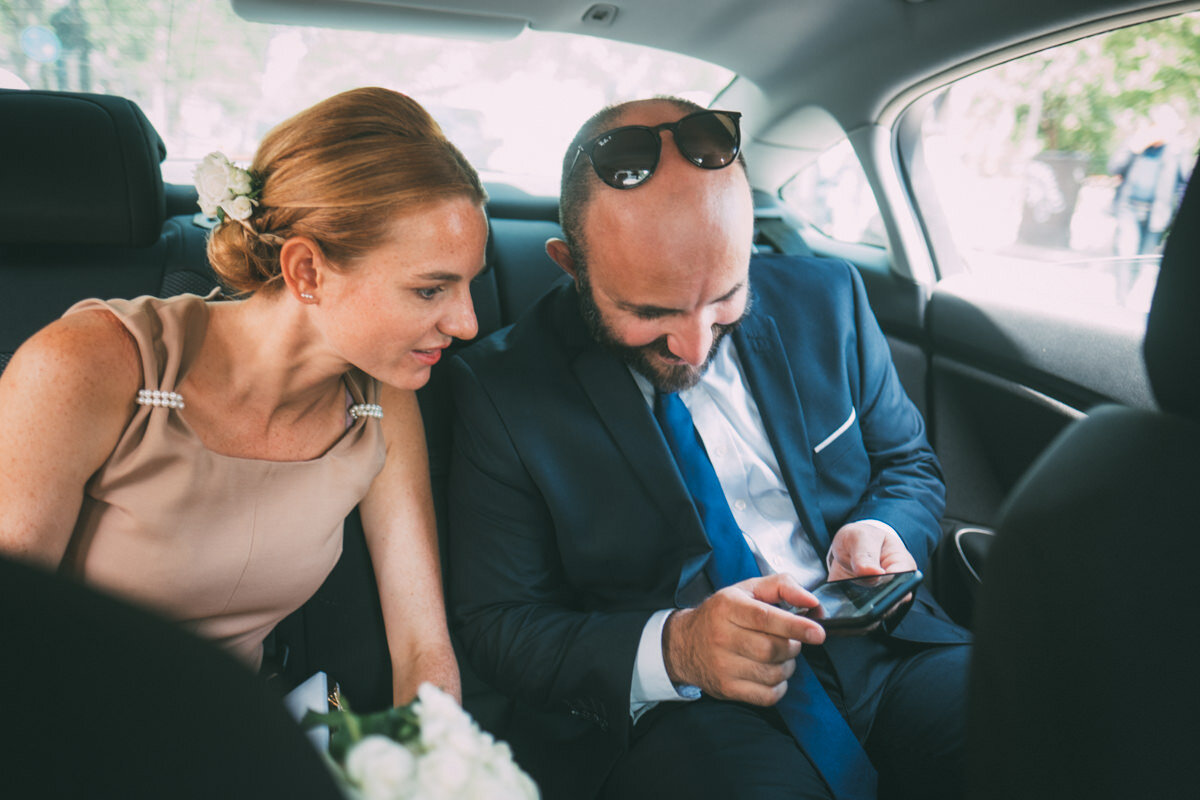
(1058, 174)
(209, 80)
(831, 194)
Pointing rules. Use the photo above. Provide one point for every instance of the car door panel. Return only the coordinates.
(1007, 378)
(997, 380)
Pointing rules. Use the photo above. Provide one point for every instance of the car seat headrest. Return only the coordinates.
(79, 169)
(1172, 346)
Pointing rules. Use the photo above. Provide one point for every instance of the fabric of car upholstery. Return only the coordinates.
(1082, 683)
(106, 700)
(82, 211)
(79, 168)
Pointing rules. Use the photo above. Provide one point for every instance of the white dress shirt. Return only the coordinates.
(731, 427)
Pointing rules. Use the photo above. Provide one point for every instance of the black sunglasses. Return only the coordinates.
(626, 157)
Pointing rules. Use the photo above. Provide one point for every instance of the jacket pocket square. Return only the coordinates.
(831, 438)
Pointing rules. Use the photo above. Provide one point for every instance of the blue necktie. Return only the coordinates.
(809, 714)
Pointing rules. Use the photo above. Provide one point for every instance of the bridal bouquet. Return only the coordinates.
(427, 750)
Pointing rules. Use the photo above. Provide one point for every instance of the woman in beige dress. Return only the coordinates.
(198, 455)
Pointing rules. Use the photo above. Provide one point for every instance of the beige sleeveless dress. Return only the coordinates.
(226, 546)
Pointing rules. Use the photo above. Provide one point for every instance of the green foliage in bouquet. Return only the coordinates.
(347, 728)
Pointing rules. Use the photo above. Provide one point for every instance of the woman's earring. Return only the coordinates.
(307, 296)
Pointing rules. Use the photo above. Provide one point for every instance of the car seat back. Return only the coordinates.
(83, 211)
(1082, 676)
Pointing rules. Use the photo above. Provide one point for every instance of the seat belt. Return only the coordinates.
(783, 237)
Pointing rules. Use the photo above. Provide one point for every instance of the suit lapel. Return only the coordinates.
(630, 423)
(770, 377)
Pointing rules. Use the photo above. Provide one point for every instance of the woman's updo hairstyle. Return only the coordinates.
(338, 173)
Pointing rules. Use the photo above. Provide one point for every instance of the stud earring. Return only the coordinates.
(307, 296)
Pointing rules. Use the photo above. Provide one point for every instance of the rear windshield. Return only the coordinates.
(209, 80)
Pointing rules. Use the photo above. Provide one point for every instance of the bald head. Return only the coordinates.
(579, 181)
(667, 261)
(679, 219)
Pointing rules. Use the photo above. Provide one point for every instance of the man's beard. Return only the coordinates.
(663, 377)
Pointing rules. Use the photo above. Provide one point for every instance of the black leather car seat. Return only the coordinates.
(107, 700)
(83, 211)
(1084, 675)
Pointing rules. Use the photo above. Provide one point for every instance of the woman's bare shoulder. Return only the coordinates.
(89, 354)
(64, 399)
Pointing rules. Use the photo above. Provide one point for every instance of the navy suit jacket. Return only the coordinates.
(570, 524)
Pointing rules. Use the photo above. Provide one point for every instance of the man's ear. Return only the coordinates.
(301, 262)
(558, 250)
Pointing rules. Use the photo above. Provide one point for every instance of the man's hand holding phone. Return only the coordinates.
(870, 547)
(855, 606)
(739, 644)
(867, 548)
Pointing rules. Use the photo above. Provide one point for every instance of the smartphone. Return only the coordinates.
(859, 605)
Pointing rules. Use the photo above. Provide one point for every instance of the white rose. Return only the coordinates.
(238, 181)
(498, 782)
(240, 207)
(464, 761)
(383, 769)
(442, 773)
(442, 720)
(449, 727)
(496, 769)
(211, 179)
(435, 701)
(518, 784)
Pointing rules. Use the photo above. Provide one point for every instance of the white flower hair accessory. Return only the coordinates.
(226, 190)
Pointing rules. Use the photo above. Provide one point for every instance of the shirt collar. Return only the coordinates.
(722, 371)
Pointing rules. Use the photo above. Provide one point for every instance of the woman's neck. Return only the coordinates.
(263, 354)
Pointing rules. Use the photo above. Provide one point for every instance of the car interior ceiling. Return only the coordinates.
(773, 81)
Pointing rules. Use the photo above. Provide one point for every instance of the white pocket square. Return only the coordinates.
(845, 426)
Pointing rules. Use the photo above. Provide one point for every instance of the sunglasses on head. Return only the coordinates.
(626, 157)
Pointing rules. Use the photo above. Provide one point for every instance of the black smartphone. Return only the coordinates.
(859, 605)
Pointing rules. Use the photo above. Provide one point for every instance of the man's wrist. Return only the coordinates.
(670, 646)
(651, 684)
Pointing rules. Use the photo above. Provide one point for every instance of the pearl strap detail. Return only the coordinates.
(366, 410)
(154, 397)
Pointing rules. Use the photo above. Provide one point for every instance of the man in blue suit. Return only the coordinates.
(586, 565)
